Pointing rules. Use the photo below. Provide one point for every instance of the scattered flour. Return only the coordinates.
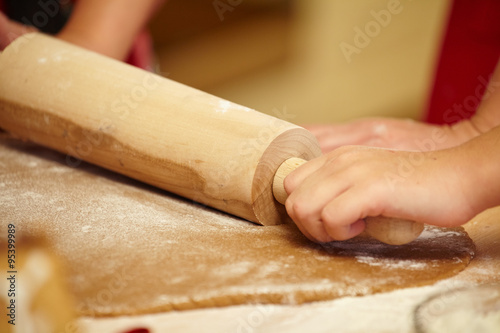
(393, 263)
(101, 208)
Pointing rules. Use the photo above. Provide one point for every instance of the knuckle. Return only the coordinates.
(371, 200)
(290, 183)
(336, 232)
(301, 211)
(327, 216)
(346, 155)
(339, 235)
(318, 232)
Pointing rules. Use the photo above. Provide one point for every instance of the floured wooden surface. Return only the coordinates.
(384, 312)
(132, 249)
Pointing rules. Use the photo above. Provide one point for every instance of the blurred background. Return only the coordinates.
(305, 60)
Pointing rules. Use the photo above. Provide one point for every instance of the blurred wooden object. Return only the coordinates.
(43, 302)
(484, 230)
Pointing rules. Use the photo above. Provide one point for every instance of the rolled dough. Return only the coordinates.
(130, 248)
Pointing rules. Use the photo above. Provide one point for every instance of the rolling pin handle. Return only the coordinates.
(388, 230)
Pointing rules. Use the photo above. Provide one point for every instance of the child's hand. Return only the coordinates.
(403, 134)
(331, 195)
(10, 30)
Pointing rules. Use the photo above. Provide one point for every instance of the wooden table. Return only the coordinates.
(385, 312)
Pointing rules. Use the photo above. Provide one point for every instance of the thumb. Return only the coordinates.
(10, 30)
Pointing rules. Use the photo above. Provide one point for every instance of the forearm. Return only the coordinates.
(108, 27)
(480, 161)
(487, 115)
(331, 195)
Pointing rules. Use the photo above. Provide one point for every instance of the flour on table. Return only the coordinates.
(129, 248)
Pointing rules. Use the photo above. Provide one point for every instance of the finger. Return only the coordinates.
(319, 234)
(342, 136)
(305, 205)
(317, 230)
(307, 221)
(10, 30)
(341, 215)
(297, 176)
(341, 233)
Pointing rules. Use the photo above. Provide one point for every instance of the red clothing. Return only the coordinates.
(469, 53)
(141, 53)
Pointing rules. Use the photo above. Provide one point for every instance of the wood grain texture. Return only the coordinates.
(130, 248)
(153, 129)
(147, 127)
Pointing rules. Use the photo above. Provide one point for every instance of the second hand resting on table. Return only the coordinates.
(446, 176)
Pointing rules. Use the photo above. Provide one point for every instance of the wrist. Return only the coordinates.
(462, 132)
(477, 162)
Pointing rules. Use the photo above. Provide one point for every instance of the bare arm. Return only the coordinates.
(331, 195)
(488, 113)
(108, 27)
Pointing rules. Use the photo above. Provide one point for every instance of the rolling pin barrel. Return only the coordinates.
(150, 128)
(387, 230)
(147, 127)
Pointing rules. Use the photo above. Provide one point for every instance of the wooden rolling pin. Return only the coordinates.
(392, 231)
(161, 132)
